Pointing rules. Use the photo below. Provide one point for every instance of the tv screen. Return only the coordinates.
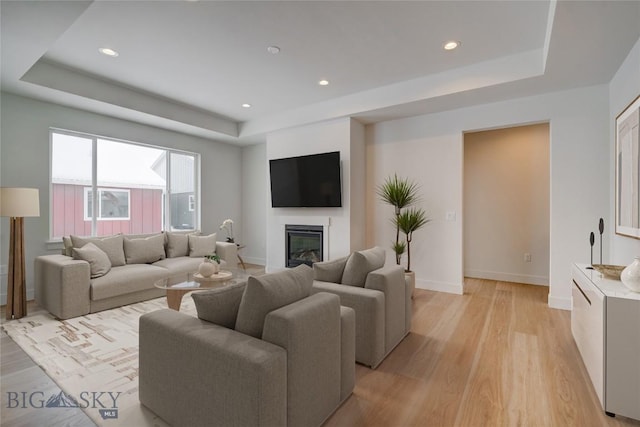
(306, 181)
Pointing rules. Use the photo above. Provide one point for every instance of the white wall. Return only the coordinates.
(506, 204)
(335, 135)
(623, 89)
(254, 203)
(434, 161)
(428, 149)
(25, 162)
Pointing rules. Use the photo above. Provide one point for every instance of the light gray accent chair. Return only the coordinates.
(284, 358)
(379, 295)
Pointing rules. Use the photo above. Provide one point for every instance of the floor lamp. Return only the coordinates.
(17, 203)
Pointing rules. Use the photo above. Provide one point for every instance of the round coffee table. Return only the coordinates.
(179, 285)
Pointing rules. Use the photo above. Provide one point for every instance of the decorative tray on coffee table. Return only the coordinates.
(221, 275)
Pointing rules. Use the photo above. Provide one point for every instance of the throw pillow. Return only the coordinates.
(220, 305)
(99, 263)
(270, 292)
(68, 246)
(361, 263)
(144, 250)
(330, 271)
(111, 245)
(177, 245)
(202, 245)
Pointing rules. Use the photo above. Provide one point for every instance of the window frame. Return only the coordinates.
(100, 191)
(166, 205)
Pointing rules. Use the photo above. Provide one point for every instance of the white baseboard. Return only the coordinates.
(272, 269)
(561, 303)
(30, 296)
(451, 288)
(508, 277)
(256, 261)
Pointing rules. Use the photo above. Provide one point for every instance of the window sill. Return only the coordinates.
(53, 245)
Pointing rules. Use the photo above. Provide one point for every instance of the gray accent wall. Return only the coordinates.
(24, 162)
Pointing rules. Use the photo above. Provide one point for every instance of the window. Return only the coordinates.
(140, 188)
(113, 204)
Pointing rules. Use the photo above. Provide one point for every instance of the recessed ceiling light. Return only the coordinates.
(451, 45)
(107, 51)
(274, 50)
(323, 82)
(245, 105)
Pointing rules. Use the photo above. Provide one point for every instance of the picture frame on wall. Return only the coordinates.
(627, 208)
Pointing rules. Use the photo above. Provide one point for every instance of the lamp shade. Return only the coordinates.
(19, 202)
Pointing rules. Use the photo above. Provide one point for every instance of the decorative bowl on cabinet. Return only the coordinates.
(611, 271)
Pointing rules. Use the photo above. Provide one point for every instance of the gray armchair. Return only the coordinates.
(284, 358)
(378, 294)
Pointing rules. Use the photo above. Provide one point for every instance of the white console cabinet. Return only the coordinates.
(605, 323)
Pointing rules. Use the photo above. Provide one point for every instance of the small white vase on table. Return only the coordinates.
(210, 266)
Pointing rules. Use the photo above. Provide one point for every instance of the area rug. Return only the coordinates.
(93, 359)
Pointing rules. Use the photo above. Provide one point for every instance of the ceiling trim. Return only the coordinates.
(547, 36)
(484, 74)
(55, 76)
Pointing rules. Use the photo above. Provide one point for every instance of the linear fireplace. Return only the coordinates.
(303, 244)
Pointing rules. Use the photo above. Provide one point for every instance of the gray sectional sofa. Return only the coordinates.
(379, 294)
(98, 273)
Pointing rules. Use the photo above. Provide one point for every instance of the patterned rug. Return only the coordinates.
(93, 359)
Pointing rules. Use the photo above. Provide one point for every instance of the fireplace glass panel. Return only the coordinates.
(304, 245)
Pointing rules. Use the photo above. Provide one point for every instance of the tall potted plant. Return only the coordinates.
(399, 193)
(409, 221)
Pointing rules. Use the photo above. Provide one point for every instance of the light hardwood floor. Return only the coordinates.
(496, 356)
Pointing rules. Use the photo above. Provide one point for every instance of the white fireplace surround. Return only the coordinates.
(342, 228)
(324, 221)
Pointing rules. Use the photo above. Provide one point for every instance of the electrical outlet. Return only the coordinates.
(527, 257)
(4, 270)
(451, 216)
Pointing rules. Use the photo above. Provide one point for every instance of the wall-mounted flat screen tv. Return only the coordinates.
(306, 181)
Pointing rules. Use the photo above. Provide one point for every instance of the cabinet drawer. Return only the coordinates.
(587, 327)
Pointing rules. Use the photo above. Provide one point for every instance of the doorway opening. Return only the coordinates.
(507, 204)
